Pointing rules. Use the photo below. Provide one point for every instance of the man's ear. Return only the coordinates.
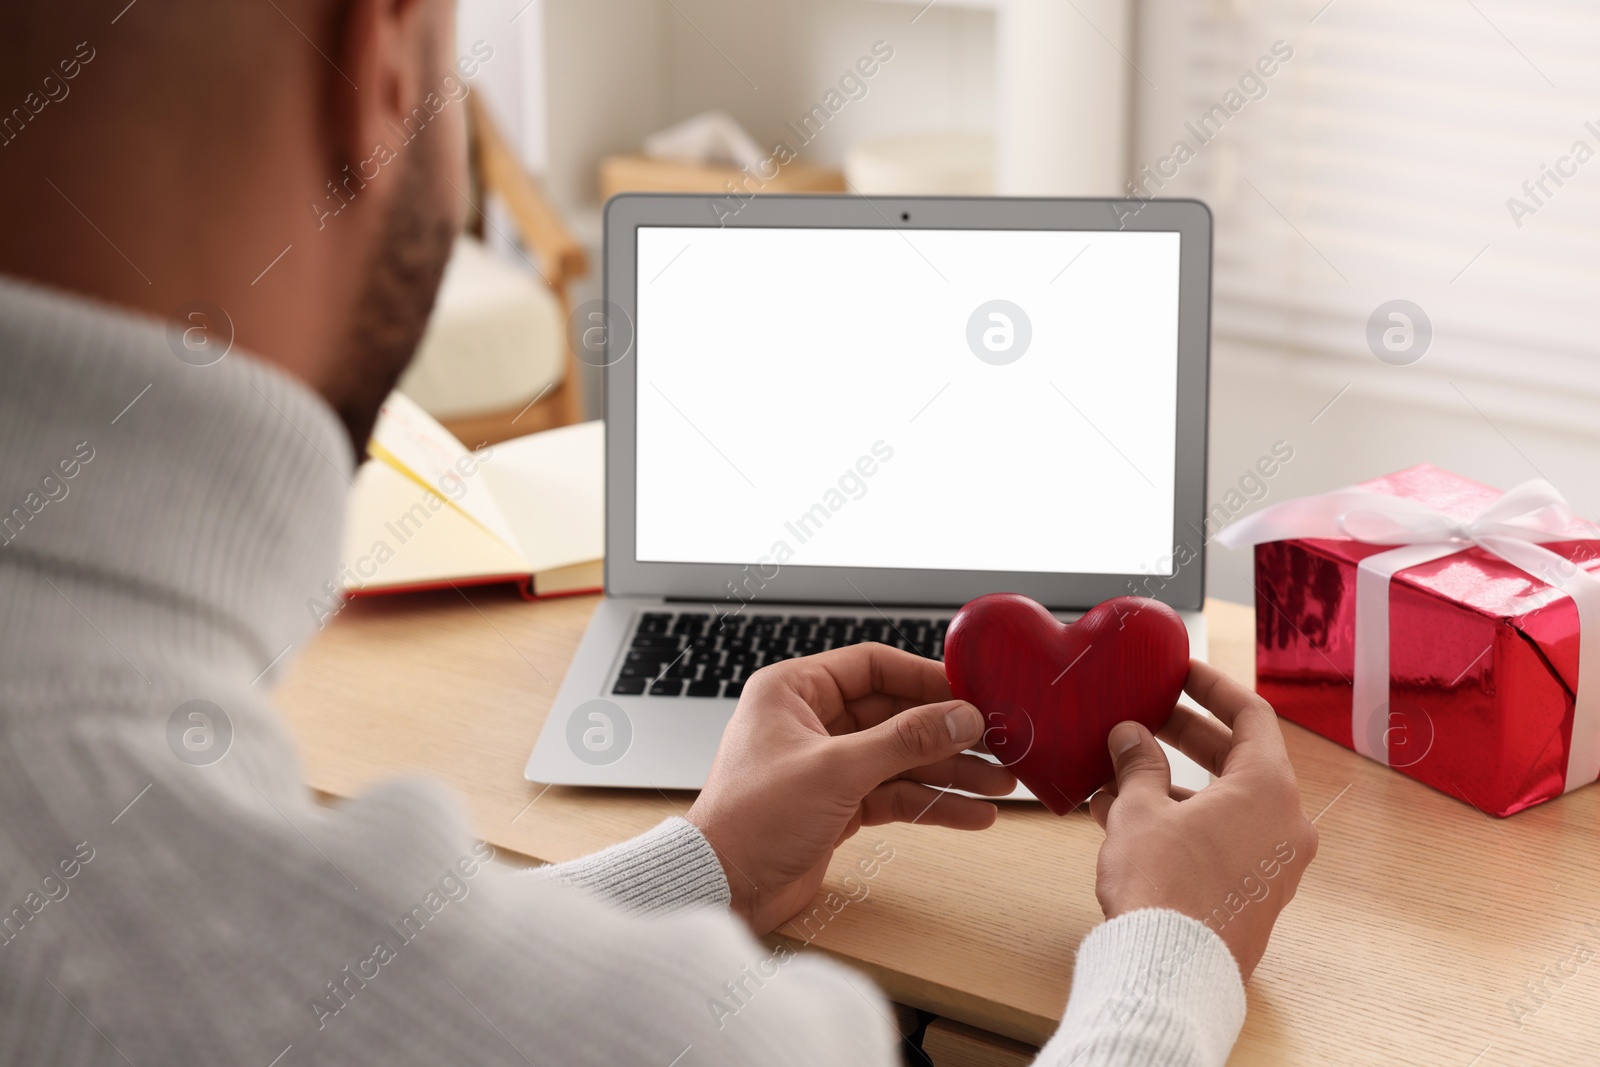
(383, 51)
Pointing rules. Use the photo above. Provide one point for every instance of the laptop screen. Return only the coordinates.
(978, 400)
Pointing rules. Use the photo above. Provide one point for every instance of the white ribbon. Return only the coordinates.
(1513, 528)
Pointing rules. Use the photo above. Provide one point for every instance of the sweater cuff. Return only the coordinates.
(1151, 987)
(669, 868)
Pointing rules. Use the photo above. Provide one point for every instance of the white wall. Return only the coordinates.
(512, 81)
(1064, 85)
(605, 77)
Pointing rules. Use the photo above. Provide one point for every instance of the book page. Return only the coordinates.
(398, 533)
(413, 441)
(551, 488)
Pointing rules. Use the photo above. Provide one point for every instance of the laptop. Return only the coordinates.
(833, 419)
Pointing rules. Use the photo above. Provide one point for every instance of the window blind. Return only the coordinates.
(1442, 152)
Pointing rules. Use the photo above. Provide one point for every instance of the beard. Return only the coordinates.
(396, 300)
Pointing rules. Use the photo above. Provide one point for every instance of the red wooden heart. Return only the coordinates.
(1052, 691)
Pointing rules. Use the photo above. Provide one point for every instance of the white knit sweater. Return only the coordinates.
(162, 527)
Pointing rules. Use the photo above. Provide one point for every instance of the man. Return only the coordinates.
(167, 516)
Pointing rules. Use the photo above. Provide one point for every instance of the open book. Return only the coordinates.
(427, 512)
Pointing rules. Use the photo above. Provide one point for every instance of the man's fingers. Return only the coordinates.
(863, 713)
(1256, 734)
(1100, 806)
(1142, 770)
(1198, 736)
(974, 774)
(850, 828)
(1216, 692)
(874, 668)
(1100, 803)
(903, 801)
(914, 738)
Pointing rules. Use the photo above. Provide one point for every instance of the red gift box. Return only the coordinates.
(1438, 626)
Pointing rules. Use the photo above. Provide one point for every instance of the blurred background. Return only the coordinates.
(1354, 153)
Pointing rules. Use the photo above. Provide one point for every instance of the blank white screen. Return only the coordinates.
(771, 360)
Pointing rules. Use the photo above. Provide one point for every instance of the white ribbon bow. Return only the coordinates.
(1513, 528)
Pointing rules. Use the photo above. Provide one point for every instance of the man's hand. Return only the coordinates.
(1230, 855)
(824, 745)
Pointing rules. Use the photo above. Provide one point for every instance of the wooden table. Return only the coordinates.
(1418, 927)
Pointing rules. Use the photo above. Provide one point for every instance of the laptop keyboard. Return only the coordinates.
(698, 654)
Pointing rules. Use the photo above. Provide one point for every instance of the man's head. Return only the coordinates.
(298, 163)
